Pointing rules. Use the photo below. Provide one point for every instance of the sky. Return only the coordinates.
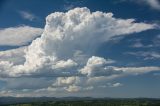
(83, 48)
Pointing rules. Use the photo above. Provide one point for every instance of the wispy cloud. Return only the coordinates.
(28, 16)
(153, 43)
(18, 36)
(138, 44)
(146, 55)
(155, 4)
(68, 5)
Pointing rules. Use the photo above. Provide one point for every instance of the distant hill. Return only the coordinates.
(14, 100)
(17, 100)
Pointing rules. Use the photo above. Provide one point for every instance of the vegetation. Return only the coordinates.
(108, 102)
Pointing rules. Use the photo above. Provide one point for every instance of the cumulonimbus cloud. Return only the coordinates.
(76, 30)
(70, 36)
(68, 45)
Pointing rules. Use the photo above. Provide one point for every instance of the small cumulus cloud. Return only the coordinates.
(115, 84)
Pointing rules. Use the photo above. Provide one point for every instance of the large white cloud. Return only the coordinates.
(76, 30)
(70, 39)
(17, 36)
(67, 49)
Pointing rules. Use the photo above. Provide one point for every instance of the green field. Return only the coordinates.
(110, 102)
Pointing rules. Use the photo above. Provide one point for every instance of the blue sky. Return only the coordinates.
(82, 52)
